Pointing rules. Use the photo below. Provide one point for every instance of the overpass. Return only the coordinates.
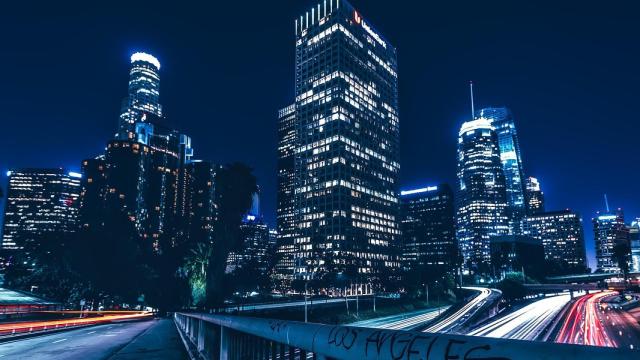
(235, 337)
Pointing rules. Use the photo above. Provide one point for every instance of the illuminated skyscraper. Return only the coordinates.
(144, 94)
(41, 205)
(634, 237)
(428, 228)
(286, 183)
(482, 200)
(346, 158)
(562, 237)
(610, 232)
(534, 196)
(511, 159)
(201, 202)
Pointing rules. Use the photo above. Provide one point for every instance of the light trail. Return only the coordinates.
(463, 313)
(583, 323)
(527, 322)
(33, 326)
(406, 321)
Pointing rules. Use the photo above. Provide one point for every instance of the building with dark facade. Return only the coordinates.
(562, 237)
(534, 196)
(609, 232)
(481, 197)
(201, 203)
(634, 238)
(428, 228)
(286, 225)
(511, 159)
(41, 206)
(256, 249)
(516, 253)
(347, 152)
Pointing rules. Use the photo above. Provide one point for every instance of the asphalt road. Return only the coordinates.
(622, 327)
(100, 342)
(460, 317)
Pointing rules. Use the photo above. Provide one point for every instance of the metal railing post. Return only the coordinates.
(224, 343)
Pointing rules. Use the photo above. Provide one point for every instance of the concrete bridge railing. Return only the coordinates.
(238, 337)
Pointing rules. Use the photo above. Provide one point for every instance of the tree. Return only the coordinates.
(235, 186)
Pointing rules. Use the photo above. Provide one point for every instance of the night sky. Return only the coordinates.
(569, 72)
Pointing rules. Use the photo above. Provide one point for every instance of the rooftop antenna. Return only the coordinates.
(473, 110)
(606, 202)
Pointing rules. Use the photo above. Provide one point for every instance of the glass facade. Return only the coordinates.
(286, 183)
(509, 146)
(346, 158)
(144, 94)
(482, 200)
(534, 196)
(428, 228)
(609, 231)
(634, 237)
(41, 205)
(200, 202)
(562, 237)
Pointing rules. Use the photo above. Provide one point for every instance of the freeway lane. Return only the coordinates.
(458, 318)
(584, 323)
(623, 328)
(405, 321)
(90, 343)
(525, 323)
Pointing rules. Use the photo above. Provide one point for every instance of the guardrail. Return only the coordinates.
(238, 337)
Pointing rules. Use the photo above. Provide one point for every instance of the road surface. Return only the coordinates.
(151, 339)
(459, 317)
(526, 323)
(404, 321)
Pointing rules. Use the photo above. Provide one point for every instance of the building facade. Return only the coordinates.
(634, 238)
(562, 237)
(482, 200)
(534, 196)
(284, 267)
(517, 253)
(347, 152)
(428, 228)
(41, 208)
(609, 232)
(511, 159)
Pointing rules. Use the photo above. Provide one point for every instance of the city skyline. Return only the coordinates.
(82, 140)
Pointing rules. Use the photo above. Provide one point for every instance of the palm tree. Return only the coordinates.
(235, 186)
(195, 267)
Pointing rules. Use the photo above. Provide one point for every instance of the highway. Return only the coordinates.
(459, 317)
(300, 303)
(404, 321)
(90, 343)
(591, 322)
(525, 323)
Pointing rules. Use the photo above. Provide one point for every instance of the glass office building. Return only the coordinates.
(428, 228)
(41, 205)
(634, 237)
(347, 153)
(534, 196)
(609, 231)
(481, 198)
(562, 236)
(511, 159)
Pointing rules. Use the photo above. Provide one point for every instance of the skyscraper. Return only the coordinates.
(200, 208)
(482, 200)
(346, 158)
(286, 183)
(42, 205)
(634, 237)
(562, 237)
(511, 159)
(610, 232)
(428, 228)
(534, 196)
(144, 94)
(256, 249)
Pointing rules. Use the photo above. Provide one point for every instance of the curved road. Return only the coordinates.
(463, 314)
(405, 321)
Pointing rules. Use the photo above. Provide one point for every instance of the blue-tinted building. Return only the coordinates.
(511, 159)
(481, 198)
(609, 232)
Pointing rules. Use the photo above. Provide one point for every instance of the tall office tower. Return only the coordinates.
(346, 158)
(286, 208)
(562, 237)
(610, 232)
(482, 200)
(509, 146)
(201, 201)
(534, 196)
(93, 193)
(144, 95)
(255, 249)
(428, 228)
(634, 237)
(41, 206)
